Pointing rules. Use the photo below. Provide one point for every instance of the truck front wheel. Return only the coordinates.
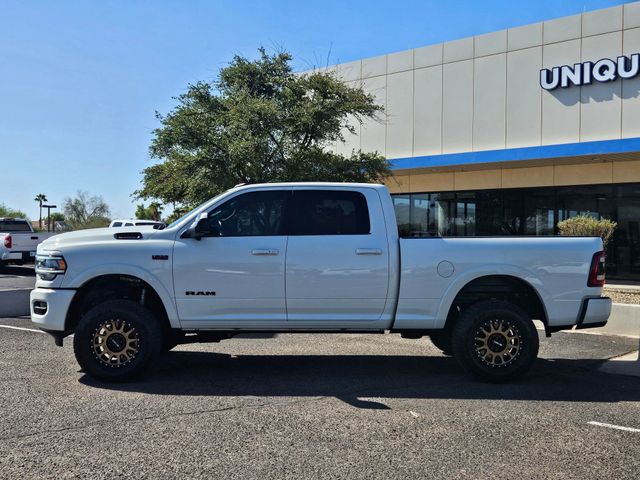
(495, 341)
(117, 340)
(442, 341)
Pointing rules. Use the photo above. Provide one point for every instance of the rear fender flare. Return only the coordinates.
(484, 271)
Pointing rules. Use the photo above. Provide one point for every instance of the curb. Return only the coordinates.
(624, 320)
(14, 303)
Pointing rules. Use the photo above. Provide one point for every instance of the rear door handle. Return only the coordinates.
(368, 251)
(264, 251)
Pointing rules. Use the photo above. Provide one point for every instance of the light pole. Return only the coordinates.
(49, 207)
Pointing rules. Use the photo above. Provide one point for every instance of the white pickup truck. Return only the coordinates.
(310, 257)
(18, 241)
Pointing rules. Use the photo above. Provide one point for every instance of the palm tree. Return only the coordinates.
(40, 198)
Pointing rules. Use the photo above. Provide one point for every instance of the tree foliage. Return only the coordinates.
(10, 212)
(85, 211)
(259, 122)
(152, 212)
(586, 226)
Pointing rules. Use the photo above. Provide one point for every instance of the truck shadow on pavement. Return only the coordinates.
(18, 270)
(364, 381)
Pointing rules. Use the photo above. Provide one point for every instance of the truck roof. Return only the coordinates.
(309, 184)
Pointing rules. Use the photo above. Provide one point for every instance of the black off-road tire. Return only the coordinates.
(170, 341)
(442, 341)
(503, 326)
(139, 332)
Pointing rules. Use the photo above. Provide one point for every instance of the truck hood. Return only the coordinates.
(93, 235)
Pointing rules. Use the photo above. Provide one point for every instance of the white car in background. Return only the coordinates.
(135, 223)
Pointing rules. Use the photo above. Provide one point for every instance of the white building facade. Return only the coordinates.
(512, 131)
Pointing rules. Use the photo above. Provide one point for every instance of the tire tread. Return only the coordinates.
(132, 311)
(464, 327)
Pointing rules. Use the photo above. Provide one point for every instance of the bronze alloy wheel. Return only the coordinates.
(117, 340)
(497, 343)
(115, 343)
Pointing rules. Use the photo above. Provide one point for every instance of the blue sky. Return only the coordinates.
(80, 80)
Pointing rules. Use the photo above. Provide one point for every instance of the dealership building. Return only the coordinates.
(510, 132)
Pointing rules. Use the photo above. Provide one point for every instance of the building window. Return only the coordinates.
(528, 211)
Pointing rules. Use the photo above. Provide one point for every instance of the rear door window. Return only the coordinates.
(329, 212)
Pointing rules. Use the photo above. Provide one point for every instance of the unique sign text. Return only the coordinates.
(605, 70)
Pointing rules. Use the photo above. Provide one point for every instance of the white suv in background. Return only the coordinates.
(135, 223)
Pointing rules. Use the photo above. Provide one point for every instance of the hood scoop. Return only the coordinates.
(127, 236)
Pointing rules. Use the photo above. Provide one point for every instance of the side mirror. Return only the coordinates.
(201, 228)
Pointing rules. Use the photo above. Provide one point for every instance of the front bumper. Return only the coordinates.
(50, 317)
(15, 256)
(594, 312)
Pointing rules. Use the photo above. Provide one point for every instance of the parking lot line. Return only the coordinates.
(615, 427)
(21, 328)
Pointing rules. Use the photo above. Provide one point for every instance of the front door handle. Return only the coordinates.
(368, 251)
(264, 251)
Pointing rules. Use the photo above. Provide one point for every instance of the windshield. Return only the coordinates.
(176, 222)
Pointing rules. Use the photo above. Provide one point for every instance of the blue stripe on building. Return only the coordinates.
(519, 154)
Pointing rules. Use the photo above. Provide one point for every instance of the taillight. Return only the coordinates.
(8, 241)
(596, 272)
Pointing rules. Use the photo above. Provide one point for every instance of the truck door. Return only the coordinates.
(337, 268)
(235, 276)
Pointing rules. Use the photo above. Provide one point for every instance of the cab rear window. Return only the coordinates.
(14, 226)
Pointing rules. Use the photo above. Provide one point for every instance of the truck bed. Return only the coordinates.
(434, 269)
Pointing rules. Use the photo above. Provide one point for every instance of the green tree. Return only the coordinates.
(176, 214)
(141, 211)
(40, 198)
(10, 212)
(152, 212)
(86, 211)
(259, 122)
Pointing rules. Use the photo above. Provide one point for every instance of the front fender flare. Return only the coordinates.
(134, 271)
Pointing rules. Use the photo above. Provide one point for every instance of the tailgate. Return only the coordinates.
(24, 242)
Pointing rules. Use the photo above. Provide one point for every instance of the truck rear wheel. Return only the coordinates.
(495, 341)
(117, 340)
(442, 340)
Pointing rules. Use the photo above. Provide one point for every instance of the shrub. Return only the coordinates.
(586, 226)
(10, 212)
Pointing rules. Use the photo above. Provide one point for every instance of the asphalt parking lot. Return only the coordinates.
(17, 276)
(317, 406)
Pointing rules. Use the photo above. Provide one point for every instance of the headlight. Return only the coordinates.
(48, 267)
